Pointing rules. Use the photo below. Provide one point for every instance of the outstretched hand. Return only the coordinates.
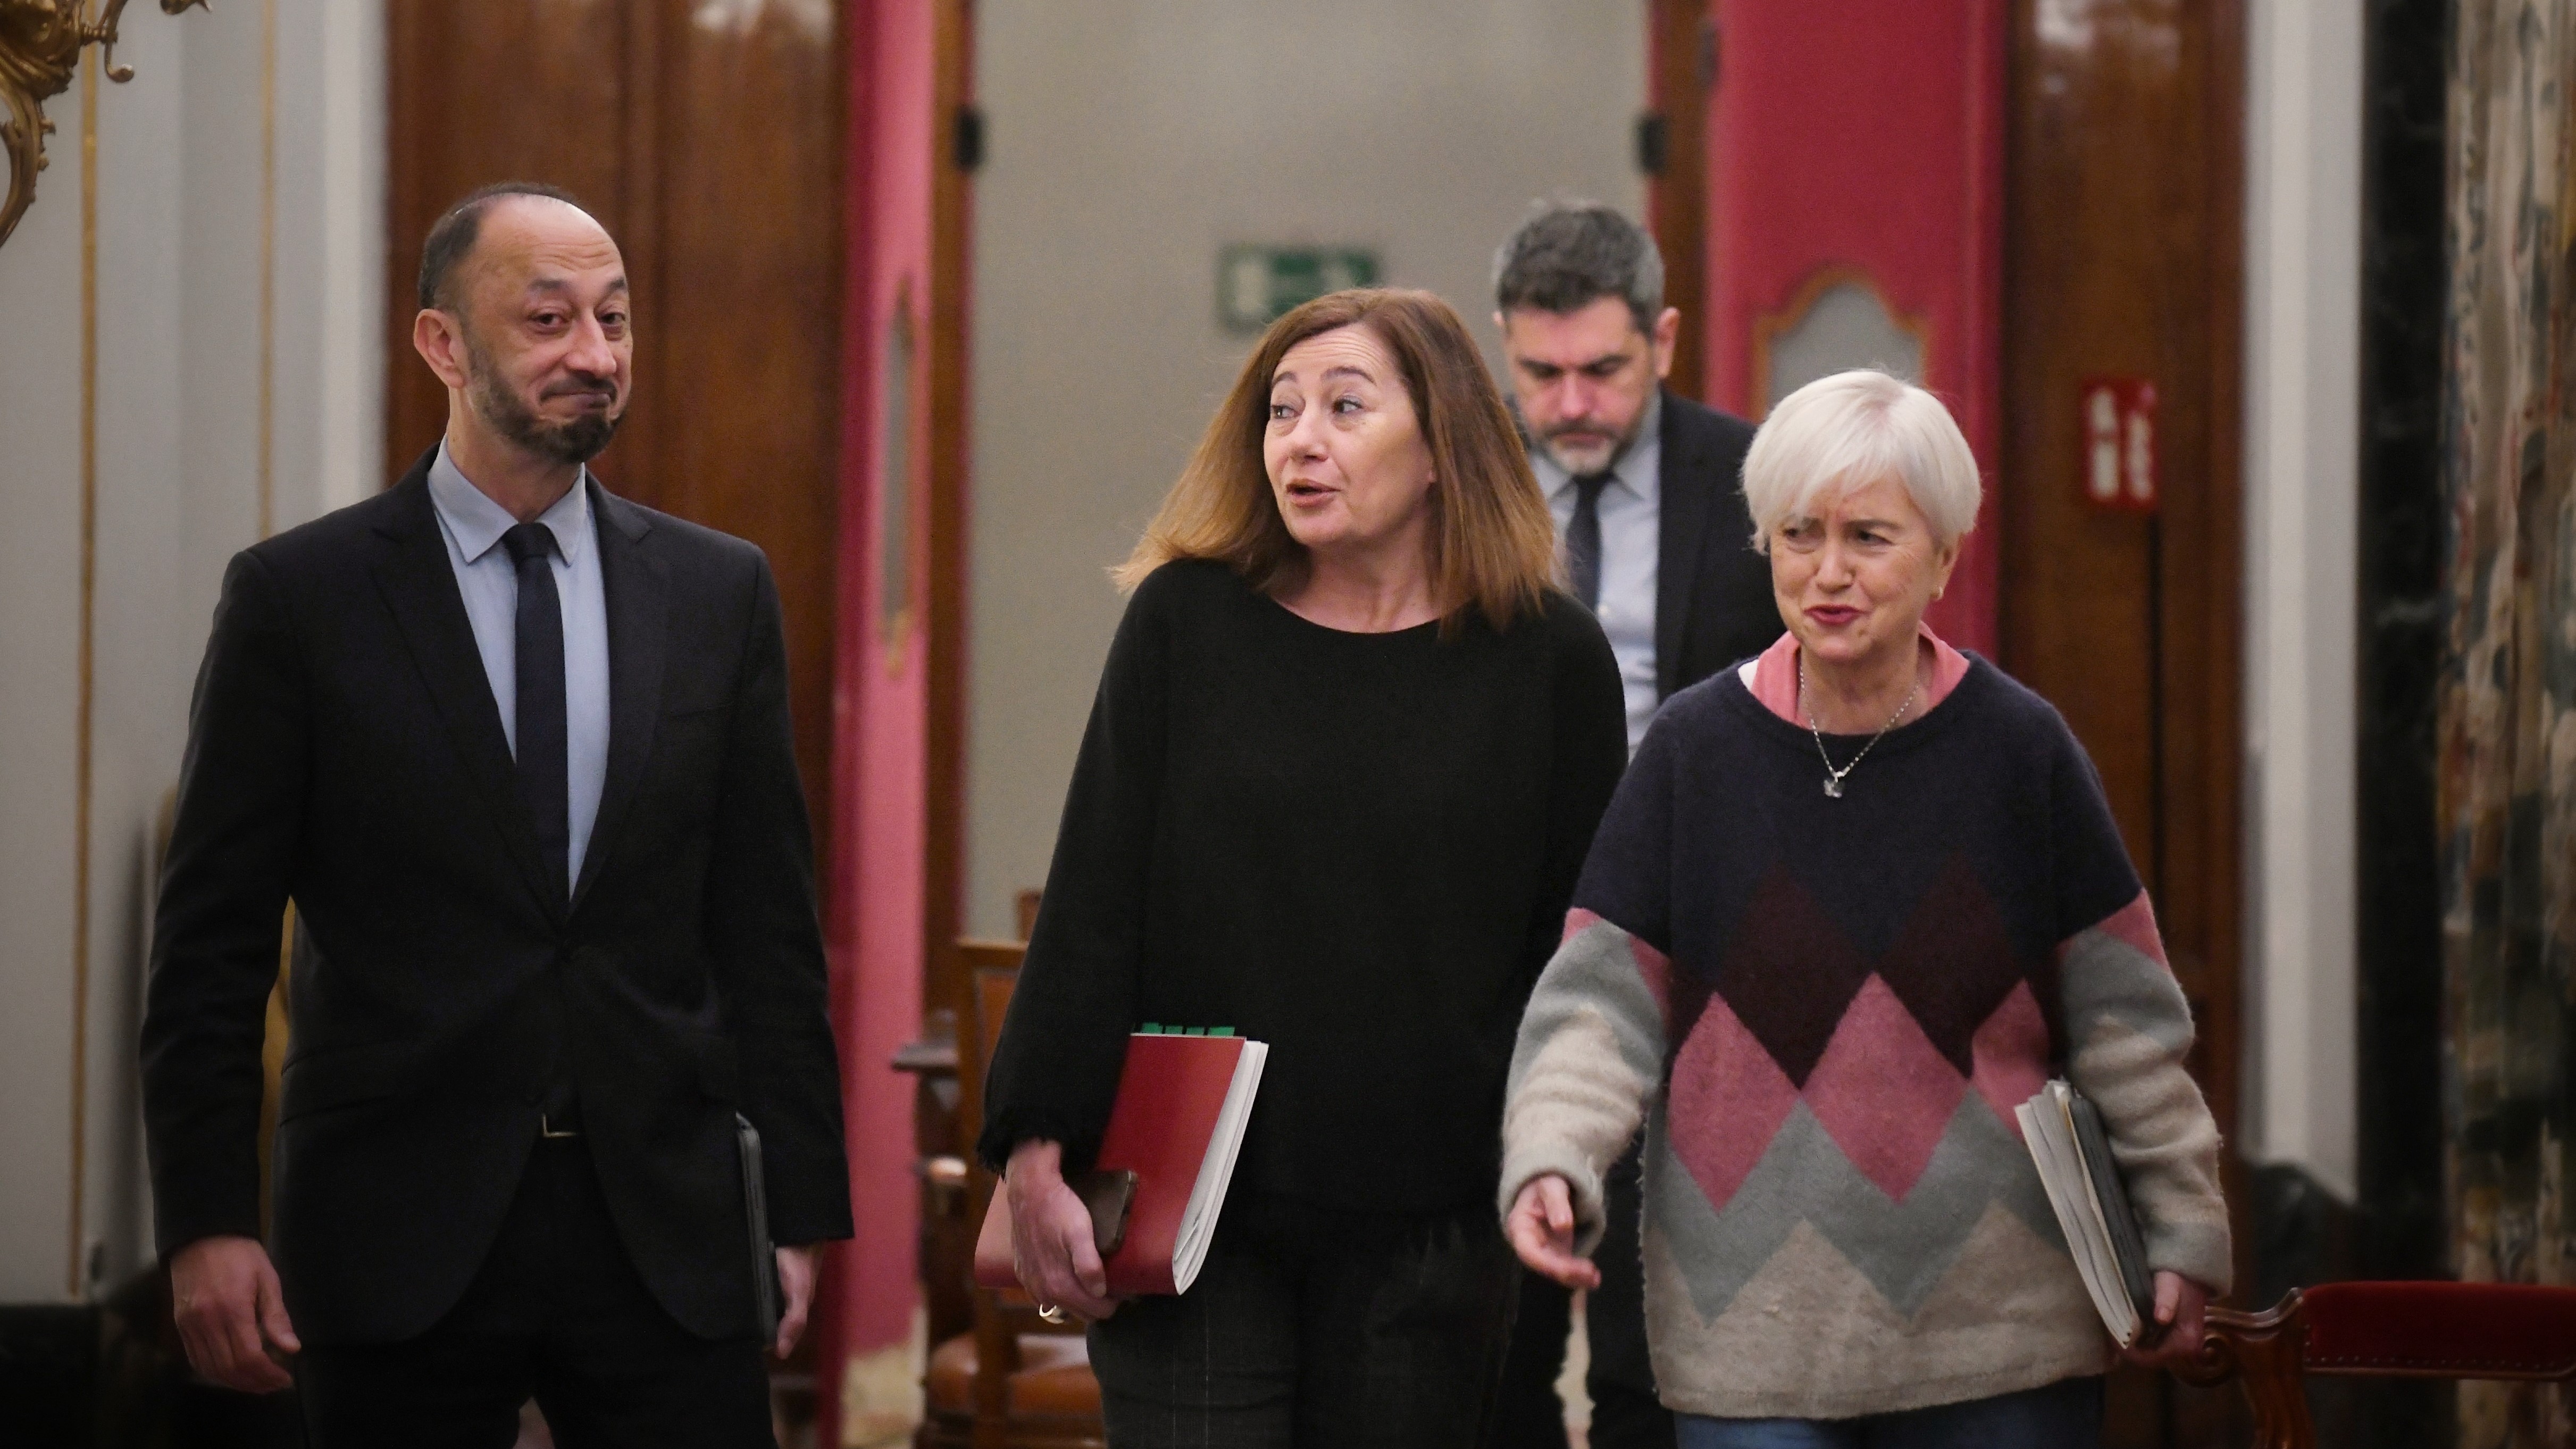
(231, 1314)
(2181, 1305)
(1051, 1245)
(1541, 1229)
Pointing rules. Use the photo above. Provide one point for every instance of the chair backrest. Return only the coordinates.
(2442, 1330)
(992, 971)
(2401, 1330)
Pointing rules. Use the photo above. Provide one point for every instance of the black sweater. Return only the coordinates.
(1355, 847)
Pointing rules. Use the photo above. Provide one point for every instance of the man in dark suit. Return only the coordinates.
(1647, 490)
(517, 750)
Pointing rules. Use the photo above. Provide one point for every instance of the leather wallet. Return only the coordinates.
(1107, 1195)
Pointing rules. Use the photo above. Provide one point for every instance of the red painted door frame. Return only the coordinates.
(890, 703)
(1866, 137)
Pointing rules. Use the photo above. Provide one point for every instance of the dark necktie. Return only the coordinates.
(1583, 539)
(542, 773)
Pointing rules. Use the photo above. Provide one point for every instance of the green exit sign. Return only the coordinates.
(1257, 285)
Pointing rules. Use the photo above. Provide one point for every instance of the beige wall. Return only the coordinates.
(178, 253)
(1127, 141)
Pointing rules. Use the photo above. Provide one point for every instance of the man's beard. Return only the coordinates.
(1599, 458)
(577, 441)
(1595, 457)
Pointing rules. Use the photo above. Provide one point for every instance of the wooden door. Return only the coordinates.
(1672, 144)
(1855, 152)
(707, 139)
(957, 136)
(2125, 211)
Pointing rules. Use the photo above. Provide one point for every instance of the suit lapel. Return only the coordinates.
(1682, 483)
(638, 629)
(419, 587)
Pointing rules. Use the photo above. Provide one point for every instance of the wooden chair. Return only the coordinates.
(2395, 1330)
(1013, 1381)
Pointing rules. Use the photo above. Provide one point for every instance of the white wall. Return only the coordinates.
(181, 214)
(2302, 441)
(40, 467)
(1127, 142)
(331, 178)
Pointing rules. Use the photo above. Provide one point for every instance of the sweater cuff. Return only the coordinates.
(2198, 1251)
(1527, 1163)
(1004, 1134)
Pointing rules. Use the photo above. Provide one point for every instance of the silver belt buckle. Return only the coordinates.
(546, 1128)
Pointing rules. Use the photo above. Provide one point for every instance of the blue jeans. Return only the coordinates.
(2063, 1415)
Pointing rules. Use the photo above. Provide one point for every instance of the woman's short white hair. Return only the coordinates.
(1848, 431)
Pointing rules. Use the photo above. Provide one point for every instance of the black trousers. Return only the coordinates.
(1316, 1344)
(1625, 1412)
(557, 1313)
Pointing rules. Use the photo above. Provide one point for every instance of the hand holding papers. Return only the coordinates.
(1164, 1163)
(2066, 1140)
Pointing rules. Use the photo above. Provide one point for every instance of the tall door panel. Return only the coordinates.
(2120, 602)
(479, 91)
(749, 262)
(1681, 71)
(707, 138)
(1855, 165)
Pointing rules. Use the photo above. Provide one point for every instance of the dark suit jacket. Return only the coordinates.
(1713, 604)
(345, 751)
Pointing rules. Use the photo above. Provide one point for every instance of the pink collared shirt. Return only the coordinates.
(1773, 675)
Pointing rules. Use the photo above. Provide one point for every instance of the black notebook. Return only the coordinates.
(2064, 1133)
(764, 1254)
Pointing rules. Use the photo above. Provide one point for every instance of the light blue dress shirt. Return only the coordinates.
(1631, 510)
(473, 524)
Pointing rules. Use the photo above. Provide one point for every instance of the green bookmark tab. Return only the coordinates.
(1220, 1031)
(1151, 1028)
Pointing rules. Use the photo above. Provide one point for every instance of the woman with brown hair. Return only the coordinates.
(1346, 757)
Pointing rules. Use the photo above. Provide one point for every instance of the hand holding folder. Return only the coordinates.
(2071, 1147)
(1050, 1242)
(1149, 1208)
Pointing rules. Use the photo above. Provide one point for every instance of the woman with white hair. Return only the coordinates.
(1856, 900)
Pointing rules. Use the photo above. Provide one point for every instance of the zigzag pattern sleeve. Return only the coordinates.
(2128, 1035)
(1593, 1038)
(1591, 1050)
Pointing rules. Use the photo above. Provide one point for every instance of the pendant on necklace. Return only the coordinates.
(1833, 788)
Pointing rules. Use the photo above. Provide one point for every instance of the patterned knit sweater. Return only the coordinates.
(1832, 1007)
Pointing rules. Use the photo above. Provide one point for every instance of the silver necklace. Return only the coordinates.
(1834, 777)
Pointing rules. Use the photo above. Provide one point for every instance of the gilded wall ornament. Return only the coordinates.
(40, 46)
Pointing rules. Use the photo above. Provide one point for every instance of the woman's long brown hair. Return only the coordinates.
(1492, 545)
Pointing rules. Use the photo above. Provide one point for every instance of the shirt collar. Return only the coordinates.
(1638, 468)
(1773, 675)
(477, 523)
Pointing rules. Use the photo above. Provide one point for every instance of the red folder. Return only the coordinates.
(1177, 1124)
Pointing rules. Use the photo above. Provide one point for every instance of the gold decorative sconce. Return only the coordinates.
(40, 46)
